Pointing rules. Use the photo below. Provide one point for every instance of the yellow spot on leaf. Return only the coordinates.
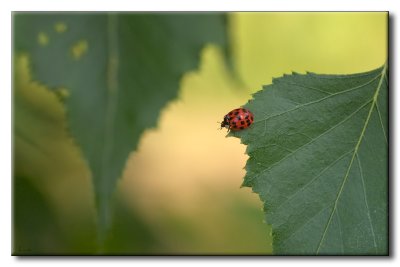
(43, 39)
(62, 93)
(60, 27)
(79, 49)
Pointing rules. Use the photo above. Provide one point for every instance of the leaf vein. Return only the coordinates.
(304, 224)
(112, 90)
(271, 145)
(381, 122)
(315, 139)
(366, 201)
(306, 87)
(313, 179)
(109, 121)
(319, 100)
(340, 230)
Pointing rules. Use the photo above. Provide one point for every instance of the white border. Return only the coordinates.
(176, 5)
(204, 5)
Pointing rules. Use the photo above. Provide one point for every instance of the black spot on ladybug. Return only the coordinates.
(238, 118)
(230, 113)
(237, 112)
(248, 121)
(242, 122)
(246, 117)
(241, 128)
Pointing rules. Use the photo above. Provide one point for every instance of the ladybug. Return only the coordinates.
(238, 119)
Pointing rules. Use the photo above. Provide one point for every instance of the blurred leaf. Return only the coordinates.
(35, 228)
(44, 157)
(129, 234)
(119, 70)
(318, 159)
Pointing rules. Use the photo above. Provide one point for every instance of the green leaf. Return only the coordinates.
(318, 158)
(35, 227)
(120, 70)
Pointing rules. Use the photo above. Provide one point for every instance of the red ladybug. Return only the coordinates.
(238, 119)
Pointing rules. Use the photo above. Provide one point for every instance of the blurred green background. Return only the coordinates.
(180, 191)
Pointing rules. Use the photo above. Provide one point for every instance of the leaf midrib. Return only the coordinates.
(110, 114)
(374, 100)
(112, 93)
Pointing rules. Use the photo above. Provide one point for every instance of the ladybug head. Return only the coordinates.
(225, 122)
